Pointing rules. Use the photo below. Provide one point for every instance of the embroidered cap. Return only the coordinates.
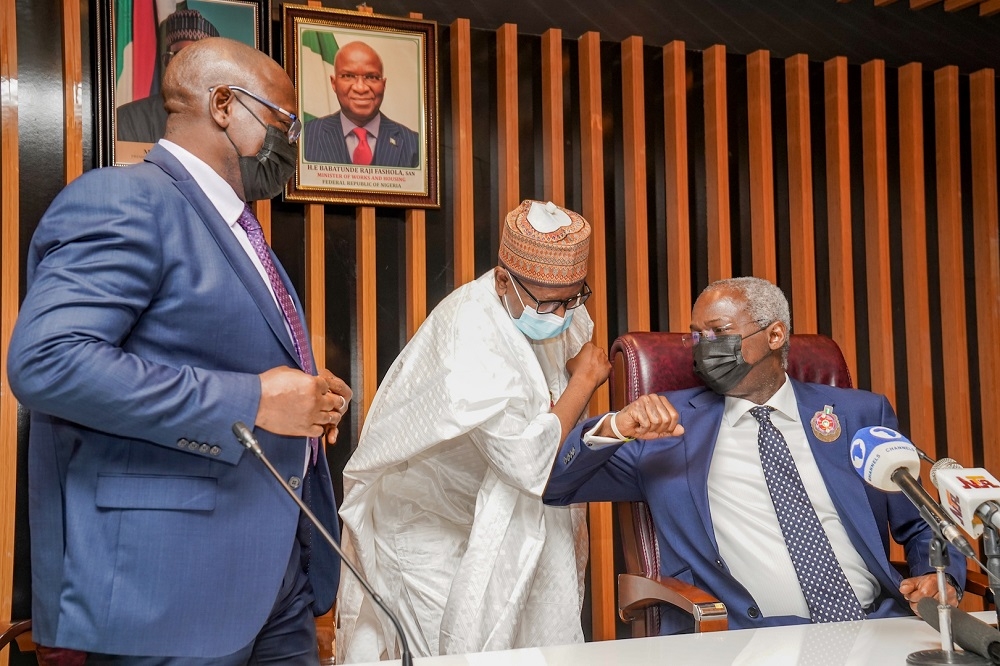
(188, 24)
(545, 244)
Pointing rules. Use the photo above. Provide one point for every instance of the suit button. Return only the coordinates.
(294, 482)
(193, 446)
(215, 450)
(205, 448)
(719, 564)
(182, 443)
(753, 612)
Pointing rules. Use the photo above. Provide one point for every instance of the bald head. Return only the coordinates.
(358, 82)
(210, 119)
(213, 62)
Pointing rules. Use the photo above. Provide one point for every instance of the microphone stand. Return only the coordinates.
(246, 438)
(991, 548)
(940, 559)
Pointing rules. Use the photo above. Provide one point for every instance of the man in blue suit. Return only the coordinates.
(360, 133)
(156, 317)
(721, 514)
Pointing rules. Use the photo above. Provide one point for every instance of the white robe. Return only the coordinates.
(442, 508)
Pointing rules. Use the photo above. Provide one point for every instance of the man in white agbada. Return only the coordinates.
(442, 507)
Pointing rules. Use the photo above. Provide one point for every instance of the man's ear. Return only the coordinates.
(776, 335)
(333, 81)
(501, 280)
(220, 105)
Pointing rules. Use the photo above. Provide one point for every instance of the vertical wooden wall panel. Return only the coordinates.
(262, 211)
(508, 187)
(553, 150)
(951, 260)
(838, 197)
(878, 275)
(987, 254)
(634, 139)
(717, 164)
(367, 317)
(416, 261)
(72, 89)
(676, 187)
(602, 573)
(913, 225)
(765, 261)
(416, 270)
(461, 120)
(800, 195)
(9, 297)
(315, 268)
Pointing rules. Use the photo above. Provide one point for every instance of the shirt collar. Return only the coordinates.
(372, 125)
(783, 401)
(218, 191)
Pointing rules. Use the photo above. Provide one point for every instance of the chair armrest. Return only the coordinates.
(977, 583)
(20, 632)
(636, 593)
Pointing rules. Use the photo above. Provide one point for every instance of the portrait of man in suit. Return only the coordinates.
(359, 132)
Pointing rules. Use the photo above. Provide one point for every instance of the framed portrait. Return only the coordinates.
(366, 87)
(135, 41)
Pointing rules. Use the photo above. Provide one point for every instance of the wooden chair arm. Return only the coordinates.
(636, 593)
(977, 583)
(20, 632)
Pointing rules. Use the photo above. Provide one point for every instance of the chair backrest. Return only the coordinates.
(651, 362)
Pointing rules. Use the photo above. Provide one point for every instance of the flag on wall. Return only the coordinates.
(319, 48)
(137, 24)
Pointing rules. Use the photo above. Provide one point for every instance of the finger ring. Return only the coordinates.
(343, 403)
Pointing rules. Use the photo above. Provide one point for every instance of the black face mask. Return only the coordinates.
(264, 175)
(720, 362)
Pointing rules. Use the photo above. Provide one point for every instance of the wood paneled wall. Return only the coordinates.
(869, 194)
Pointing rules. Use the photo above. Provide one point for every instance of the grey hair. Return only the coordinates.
(766, 304)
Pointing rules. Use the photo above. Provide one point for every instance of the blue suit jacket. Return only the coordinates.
(138, 345)
(397, 145)
(671, 475)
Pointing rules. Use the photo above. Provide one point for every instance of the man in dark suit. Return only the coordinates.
(720, 467)
(360, 133)
(156, 317)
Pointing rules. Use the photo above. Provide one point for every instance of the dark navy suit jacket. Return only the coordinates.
(671, 475)
(138, 345)
(397, 145)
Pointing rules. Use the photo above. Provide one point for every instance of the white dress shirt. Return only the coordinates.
(746, 525)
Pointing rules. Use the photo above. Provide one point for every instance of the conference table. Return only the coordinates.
(883, 642)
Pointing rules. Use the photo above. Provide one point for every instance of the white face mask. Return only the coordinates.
(538, 326)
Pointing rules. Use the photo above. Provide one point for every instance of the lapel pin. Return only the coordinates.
(392, 140)
(826, 425)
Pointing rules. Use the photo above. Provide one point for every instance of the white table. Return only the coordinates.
(884, 642)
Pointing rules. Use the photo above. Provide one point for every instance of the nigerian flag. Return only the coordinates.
(317, 97)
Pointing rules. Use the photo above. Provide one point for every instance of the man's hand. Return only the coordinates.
(649, 417)
(297, 404)
(590, 366)
(915, 589)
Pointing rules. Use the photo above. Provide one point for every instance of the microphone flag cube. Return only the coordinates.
(877, 452)
(963, 491)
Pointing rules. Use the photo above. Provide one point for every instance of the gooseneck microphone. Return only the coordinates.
(970, 633)
(889, 461)
(246, 438)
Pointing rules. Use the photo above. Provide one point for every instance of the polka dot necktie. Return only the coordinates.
(823, 582)
(249, 222)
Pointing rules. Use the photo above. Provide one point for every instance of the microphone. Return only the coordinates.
(889, 461)
(246, 438)
(970, 633)
(971, 495)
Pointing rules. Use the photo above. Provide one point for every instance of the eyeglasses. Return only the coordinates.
(693, 338)
(550, 306)
(367, 79)
(294, 129)
(167, 56)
